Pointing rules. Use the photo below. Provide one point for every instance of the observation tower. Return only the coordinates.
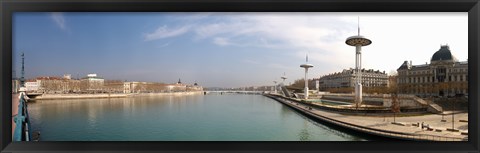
(306, 66)
(358, 41)
(283, 78)
(275, 87)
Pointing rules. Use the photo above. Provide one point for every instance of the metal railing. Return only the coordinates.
(22, 130)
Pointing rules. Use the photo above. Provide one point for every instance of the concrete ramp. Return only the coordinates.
(434, 108)
(431, 106)
(285, 91)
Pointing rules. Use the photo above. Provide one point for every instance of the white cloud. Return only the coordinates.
(396, 37)
(59, 19)
(221, 41)
(264, 30)
(164, 32)
(164, 45)
(275, 31)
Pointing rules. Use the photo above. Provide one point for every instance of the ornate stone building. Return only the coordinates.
(444, 76)
(346, 78)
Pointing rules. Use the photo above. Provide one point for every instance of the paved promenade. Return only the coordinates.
(15, 103)
(383, 126)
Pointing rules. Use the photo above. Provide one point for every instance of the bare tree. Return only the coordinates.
(299, 83)
(395, 105)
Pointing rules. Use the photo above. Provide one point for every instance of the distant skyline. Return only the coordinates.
(226, 49)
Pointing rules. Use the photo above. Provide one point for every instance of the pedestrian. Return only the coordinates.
(422, 125)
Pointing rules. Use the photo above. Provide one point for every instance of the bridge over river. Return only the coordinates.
(235, 92)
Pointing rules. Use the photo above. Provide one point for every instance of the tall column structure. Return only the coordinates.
(275, 87)
(306, 66)
(283, 78)
(22, 78)
(358, 41)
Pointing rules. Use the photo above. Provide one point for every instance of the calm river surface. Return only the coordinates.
(227, 117)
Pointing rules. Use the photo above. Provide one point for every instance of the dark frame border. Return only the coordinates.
(7, 7)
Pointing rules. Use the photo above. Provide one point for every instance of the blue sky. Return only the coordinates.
(226, 49)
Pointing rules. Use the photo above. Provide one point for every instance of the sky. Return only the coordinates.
(226, 49)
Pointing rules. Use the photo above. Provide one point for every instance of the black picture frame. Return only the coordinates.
(7, 7)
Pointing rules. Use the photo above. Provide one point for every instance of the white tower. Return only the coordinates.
(358, 41)
(275, 87)
(283, 78)
(306, 66)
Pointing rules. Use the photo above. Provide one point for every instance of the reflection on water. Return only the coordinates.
(176, 118)
(327, 130)
(304, 135)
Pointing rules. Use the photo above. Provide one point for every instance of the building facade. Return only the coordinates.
(153, 87)
(346, 79)
(140, 87)
(32, 85)
(194, 87)
(444, 76)
(53, 84)
(93, 83)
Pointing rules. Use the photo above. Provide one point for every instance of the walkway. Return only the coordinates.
(15, 100)
(383, 126)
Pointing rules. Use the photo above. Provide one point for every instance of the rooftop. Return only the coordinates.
(443, 54)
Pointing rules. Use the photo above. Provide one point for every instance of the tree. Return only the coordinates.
(393, 89)
(395, 105)
(299, 83)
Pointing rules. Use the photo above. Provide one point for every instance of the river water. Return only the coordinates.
(211, 117)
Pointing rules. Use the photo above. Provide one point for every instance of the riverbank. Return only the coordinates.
(103, 95)
(405, 128)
